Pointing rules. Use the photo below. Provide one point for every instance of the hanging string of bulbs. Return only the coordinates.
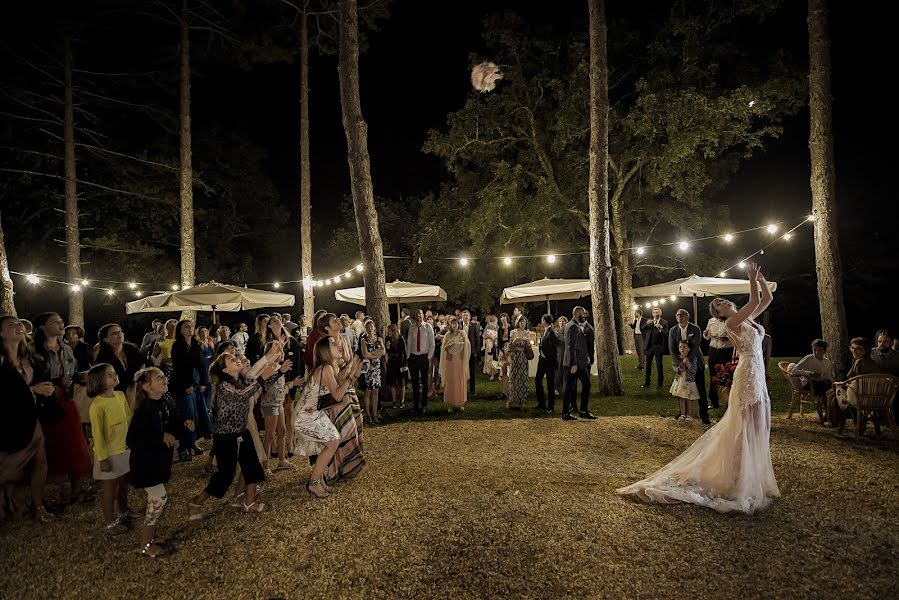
(111, 287)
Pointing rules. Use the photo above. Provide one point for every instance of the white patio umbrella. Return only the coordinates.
(697, 287)
(212, 296)
(398, 291)
(546, 289)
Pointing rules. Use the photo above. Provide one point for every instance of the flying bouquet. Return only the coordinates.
(484, 76)
(724, 374)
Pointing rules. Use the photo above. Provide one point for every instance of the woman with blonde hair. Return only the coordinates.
(454, 368)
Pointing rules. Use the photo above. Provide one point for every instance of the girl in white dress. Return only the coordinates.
(684, 386)
(729, 467)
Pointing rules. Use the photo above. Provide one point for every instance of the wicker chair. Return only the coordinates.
(798, 394)
(872, 396)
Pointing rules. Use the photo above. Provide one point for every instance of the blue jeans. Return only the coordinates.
(187, 409)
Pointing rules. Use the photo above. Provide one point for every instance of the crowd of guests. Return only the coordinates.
(815, 373)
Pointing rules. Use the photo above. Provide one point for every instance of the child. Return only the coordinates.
(110, 415)
(272, 406)
(684, 386)
(231, 439)
(152, 436)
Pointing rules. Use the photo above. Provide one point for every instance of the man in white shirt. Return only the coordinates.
(348, 332)
(815, 373)
(359, 324)
(721, 352)
(419, 352)
(638, 325)
(240, 338)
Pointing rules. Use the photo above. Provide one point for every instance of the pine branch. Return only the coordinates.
(24, 118)
(79, 181)
(34, 152)
(96, 149)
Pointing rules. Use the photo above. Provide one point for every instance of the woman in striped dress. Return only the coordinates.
(348, 461)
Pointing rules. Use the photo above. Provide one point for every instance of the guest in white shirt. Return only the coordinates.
(815, 372)
(240, 339)
(347, 331)
(721, 351)
(359, 324)
(419, 352)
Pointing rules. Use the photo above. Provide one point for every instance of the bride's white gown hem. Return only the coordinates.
(729, 467)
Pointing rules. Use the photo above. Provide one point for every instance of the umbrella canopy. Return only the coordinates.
(697, 286)
(398, 291)
(210, 296)
(546, 289)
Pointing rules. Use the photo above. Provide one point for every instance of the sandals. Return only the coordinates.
(255, 507)
(116, 528)
(152, 549)
(194, 510)
(314, 482)
(237, 500)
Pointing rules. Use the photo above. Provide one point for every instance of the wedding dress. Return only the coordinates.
(729, 467)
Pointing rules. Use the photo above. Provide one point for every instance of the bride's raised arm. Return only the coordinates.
(766, 295)
(747, 310)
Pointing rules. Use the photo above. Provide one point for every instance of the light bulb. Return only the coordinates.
(32, 278)
(641, 251)
(648, 305)
(337, 279)
(137, 294)
(683, 246)
(507, 261)
(276, 285)
(76, 288)
(728, 237)
(462, 261)
(174, 287)
(673, 298)
(636, 306)
(810, 218)
(132, 285)
(655, 302)
(327, 282)
(110, 291)
(788, 236)
(85, 283)
(772, 228)
(741, 264)
(359, 267)
(551, 259)
(662, 301)
(722, 274)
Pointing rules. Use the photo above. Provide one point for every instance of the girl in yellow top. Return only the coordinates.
(110, 416)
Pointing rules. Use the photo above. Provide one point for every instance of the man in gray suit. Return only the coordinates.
(687, 331)
(579, 352)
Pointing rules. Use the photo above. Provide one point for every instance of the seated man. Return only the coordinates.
(884, 355)
(838, 400)
(815, 372)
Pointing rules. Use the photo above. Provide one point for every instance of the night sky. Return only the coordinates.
(416, 71)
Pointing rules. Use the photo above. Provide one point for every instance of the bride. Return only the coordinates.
(729, 467)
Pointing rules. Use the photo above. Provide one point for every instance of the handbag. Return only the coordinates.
(324, 401)
(529, 352)
(49, 410)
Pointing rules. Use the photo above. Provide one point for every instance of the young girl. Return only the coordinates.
(372, 349)
(491, 331)
(272, 406)
(684, 386)
(231, 441)
(152, 436)
(110, 417)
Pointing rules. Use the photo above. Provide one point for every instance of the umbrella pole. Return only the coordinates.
(695, 311)
(213, 314)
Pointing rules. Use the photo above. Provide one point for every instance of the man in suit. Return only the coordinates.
(685, 330)
(419, 352)
(579, 352)
(655, 344)
(473, 331)
(547, 364)
(639, 326)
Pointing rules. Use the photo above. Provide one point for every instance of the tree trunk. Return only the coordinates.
(624, 273)
(598, 197)
(305, 183)
(73, 238)
(185, 170)
(7, 302)
(360, 169)
(827, 253)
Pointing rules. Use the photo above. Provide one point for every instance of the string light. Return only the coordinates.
(32, 278)
(728, 237)
(741, 264)
(662, 301)
(276, 285)
(132, 285)
(772, 228)
(683, 246)
(722, 274)
(138, 294)
(337, 279)
(648, 305)
(360, 267)
(463, 262)
(85, 283)
(327, 282)
(174, 287)
(810, 218)
(788, 236)
(76, 288)
(640, 251)
(507, 261)
(551, 259)
(636, 306)
(655, 302)
(110, 292)
(673, 298)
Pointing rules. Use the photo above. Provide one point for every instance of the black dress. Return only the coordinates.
(396, 360)
(134, 362)
(151, 459)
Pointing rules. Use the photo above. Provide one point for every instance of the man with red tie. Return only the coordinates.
(419, 351)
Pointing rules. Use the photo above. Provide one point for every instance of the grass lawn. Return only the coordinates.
(488, 504)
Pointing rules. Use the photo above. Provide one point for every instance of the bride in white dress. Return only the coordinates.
(729, 467)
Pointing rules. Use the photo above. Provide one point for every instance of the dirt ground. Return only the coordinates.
(521, 508)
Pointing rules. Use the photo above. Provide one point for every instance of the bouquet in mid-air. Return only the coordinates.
(484, 76)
